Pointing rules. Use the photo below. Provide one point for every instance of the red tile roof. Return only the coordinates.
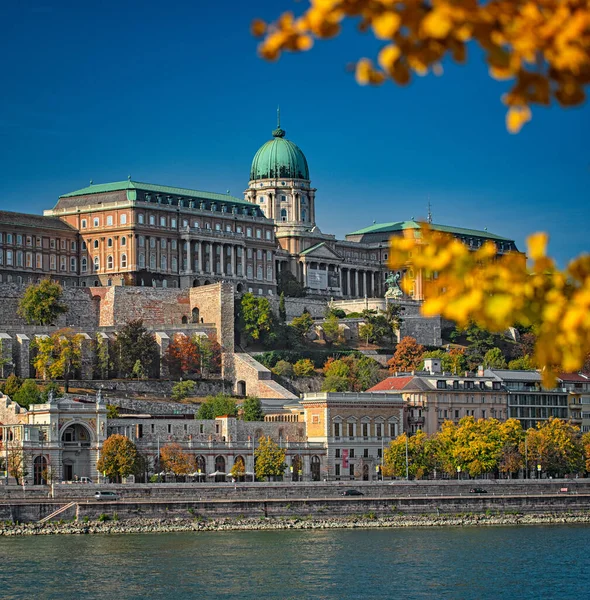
(391, 383)
(573, 377)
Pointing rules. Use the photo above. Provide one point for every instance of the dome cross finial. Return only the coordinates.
(278, 117)
(278, 132)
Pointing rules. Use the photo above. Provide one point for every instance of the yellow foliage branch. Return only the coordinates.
(544, 45)
(497, 292)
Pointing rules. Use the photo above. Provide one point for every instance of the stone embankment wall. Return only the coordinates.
(150, 387)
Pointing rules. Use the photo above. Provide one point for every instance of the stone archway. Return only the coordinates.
(40, 470)
(195, 315)
(220, 467)
(315, 468)
(297, 466)
(365, 472)
(76, 440)
(241, 388)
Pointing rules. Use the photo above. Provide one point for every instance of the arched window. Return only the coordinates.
(141, 260)
(123, 261)
(109, 262)
(84, 265)
(110, 242)
(95, 244)
(195, 315)
(123, 241)
(96, 263)
(283, 214)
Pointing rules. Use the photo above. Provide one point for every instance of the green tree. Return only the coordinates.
(393, 317)
(28, 394)
(209, 353)
(252, 409)
(524, 363)
(112, 411)
(331, 327)
(407, 356)
(302, 324)
(12, 385)
(494, 359)
(41, 303)
(288, 285)
(337, 368)
(58, 356)
(270, 459)
(135, 343)
(138, 372)
(52, 386)
(283, 368)
(366, 332)
(557, 446)
(102, 356)
(303, 368)
(118, 457)
(255, 319)
(282, 308)
(365, 373)
(183, 389)
(3, 361)
(217, 406)
(334, 383)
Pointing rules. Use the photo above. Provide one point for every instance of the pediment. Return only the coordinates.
(321, 251)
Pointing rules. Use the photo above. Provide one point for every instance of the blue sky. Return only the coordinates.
(173, 93)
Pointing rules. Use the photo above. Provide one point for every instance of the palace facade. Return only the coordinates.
(141, 234)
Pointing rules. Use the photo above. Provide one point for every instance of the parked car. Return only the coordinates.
(352, 493)
(478, 491)
(106, 496)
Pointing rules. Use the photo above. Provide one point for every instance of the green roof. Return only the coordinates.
(403, 225)
(279, 158)
(101, 188)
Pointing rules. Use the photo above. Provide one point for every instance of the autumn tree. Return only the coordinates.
(270, 459)
(58, 356)
(544, 47)
(252, 409)
(557, 446)
(303, 368)
(512, 457)
(302, 324)
(238, 469)
(16, 462)
(41, 303)
(407, 356)
(217, 406)
(135, 343)
(182, 356)
(118, 457)
(174, 460)
(419, 456)
(586, 444)
(524, 363)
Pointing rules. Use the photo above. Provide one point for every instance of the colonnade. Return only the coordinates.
(214, 258)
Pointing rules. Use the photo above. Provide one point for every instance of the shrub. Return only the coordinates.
(103, 517)
(182, 390)
(283, 368)
(303, 368)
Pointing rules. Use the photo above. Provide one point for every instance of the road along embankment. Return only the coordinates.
(23, 511)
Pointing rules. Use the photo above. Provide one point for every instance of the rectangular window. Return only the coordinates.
(162, 221)
(365, 453)
(72, 264)
(365, 430)
(351, 453)
(337, 453)
(379, 430)
(259, 233)
(336, 429)
(62, 263)
(53, 262)
(337, 470)
(9, 238)
(351, 430)
(173, 223)
(29, 262)
(351, 471)
(109, 219)
(248, 231)
(268, 234)
(123, 219)
(19, 240)
(52, 243)
(39, 260)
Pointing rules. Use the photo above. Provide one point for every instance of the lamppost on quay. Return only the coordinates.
(458, 472)
(538, 471)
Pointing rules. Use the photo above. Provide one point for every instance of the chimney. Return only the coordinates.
(432, 365)
(480, 371)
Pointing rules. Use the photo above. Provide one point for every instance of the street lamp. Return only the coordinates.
(538, 471)
(458, 472)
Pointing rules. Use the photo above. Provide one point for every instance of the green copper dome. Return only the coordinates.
(279, 159)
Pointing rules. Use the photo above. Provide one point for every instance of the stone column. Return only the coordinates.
(231, 263)
(189, 257)
(222, 258)
(356, 283)
(211, 259)
(306, 476)
(305, 267)
(243, 261)
(7, 369)
(163, 342)
(21, 354)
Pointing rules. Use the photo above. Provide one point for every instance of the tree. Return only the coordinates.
(393, 317)
(12, 385)
(270, 459)
(586, 444)
(304, 368)
(217, 406)
(521, 364)
(174, 460)
(420, 456)
(557, 446)
(494, 359)
(303, 324)
(16, 462)
(331, 327)
(41, 303)
(334, 383)
(183, 389)
(252, 409)
(102, 356)
(238, 469)
(58, 356)
(366, 332)
(498, 291)
(512, 458)
(3, 361)
(365, 373)
(183, 356)
(28, 394)
(543, 46)
(135, 343)
(283, 368)
(336, 368)
(210, 354)
(118, 457)
(282, 308)
(112, 411)
(255, 319)
(51, 388)
(407, 356)
(288, 285)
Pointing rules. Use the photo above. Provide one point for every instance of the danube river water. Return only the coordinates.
(459, 563)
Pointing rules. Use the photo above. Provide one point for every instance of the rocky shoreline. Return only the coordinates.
(265, 523)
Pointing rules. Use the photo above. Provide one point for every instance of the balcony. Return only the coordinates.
(416, 420)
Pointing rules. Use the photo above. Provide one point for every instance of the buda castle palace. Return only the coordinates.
(141, 234)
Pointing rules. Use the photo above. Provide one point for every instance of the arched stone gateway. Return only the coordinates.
(195, 315)
(76, 440)
(297, 465)
(220, 468)
(241, 388)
